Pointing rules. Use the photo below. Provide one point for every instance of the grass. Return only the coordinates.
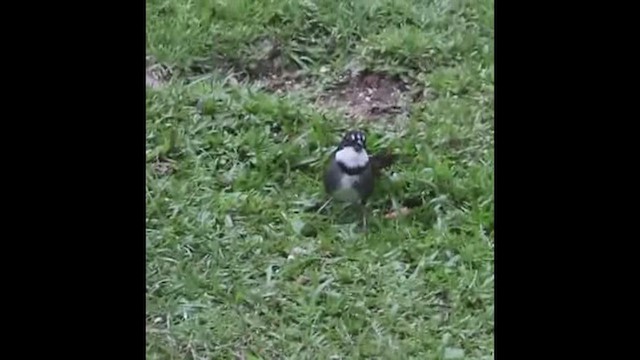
(237, 267)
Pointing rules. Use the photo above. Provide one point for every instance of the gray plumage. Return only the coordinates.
(350, 184)
(342, 186)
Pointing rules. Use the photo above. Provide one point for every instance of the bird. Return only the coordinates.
(349, 176)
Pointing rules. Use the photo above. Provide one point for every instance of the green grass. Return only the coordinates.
(236, 266)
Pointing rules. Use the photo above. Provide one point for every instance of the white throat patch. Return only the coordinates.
(351, 158)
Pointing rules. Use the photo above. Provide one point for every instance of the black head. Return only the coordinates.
(354, 138)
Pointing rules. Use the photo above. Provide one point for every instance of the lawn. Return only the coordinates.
(245, 101)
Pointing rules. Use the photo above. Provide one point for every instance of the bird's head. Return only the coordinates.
(355, 139)
(352, 151)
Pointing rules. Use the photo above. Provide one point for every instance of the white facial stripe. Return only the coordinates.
(357, 137)
(351, 158)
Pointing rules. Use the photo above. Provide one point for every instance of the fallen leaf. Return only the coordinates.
(403, 211)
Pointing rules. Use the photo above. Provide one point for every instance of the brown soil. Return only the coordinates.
(363, 95)
(369, 96)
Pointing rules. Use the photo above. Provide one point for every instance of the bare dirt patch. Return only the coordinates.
(368, 95)
(359, 94)
(285, 81)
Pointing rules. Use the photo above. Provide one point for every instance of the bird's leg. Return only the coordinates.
(363, 209)
(324, 205)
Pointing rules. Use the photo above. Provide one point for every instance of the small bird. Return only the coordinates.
(349, 177)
